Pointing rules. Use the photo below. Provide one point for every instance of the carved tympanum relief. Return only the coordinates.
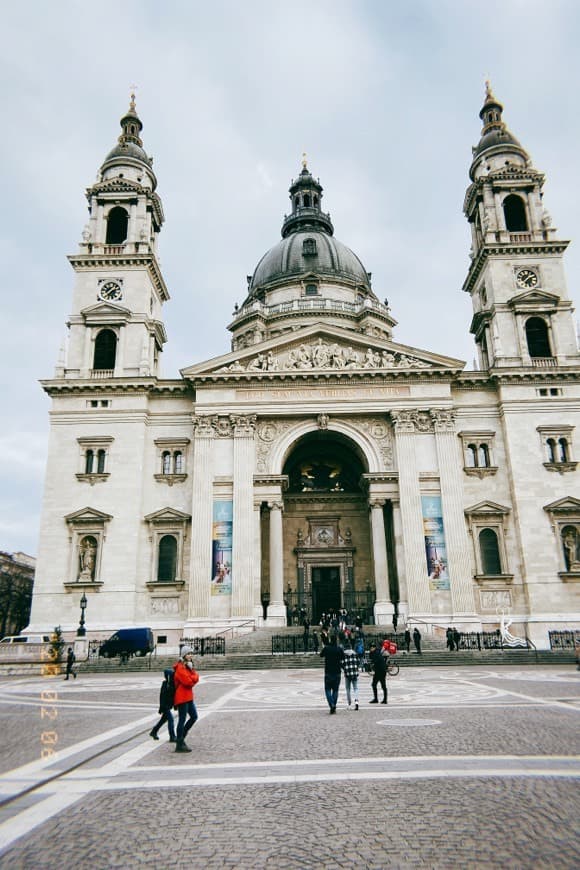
(326, 355)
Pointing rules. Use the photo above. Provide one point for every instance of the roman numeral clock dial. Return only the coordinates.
(527, 279)
(110, 291)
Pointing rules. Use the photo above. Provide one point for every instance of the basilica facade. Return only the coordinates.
(320, 463)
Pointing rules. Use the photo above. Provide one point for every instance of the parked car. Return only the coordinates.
(26, 638)
(128, 642)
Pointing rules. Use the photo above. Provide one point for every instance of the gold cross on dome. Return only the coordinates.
(304, 160)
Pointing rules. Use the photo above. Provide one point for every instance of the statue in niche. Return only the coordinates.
(87, 558)
(570, 544)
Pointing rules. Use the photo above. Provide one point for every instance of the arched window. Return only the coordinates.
(537, 337)
(315, 201)
(311, 290)
(483, 456)
(166, 462)
(471, 456)
(89, 458)
(297, 202)
(564, 454)
(306, 200)
(178, 462)
(101, 455)
(167, 565)
(515, 214)
(489, 550)
(117, 223)
(105, 350)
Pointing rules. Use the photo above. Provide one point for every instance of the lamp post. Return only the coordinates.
(81, 631)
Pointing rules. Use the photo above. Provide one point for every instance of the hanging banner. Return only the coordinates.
(435, 548)
(221, 581)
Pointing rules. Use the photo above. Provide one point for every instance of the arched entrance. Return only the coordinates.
(327, 559)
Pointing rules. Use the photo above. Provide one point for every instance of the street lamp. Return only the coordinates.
(81, 631)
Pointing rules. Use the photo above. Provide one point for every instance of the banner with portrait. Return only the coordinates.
(435, 547)
(221, 579)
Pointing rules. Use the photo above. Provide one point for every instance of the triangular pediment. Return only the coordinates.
(167, 515)
(534, 298)
(105, 310)
(88, 515)
(487, 507)
(567, 505)
(322, 350)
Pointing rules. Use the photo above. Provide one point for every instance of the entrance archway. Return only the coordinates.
(327, 558)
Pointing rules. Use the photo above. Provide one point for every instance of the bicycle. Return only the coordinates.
(393, 669)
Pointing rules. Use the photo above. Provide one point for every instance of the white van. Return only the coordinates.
(26, 638)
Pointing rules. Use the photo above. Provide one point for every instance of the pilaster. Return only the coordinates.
(201, 520)
(243, 525)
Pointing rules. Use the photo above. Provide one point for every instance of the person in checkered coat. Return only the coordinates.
(350, 668)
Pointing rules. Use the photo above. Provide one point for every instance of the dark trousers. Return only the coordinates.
(184, 711)
(379, 680)
(166, 717)
(331, 687)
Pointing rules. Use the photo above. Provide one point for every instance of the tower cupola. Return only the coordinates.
(306, 196)
(497, 146)
(128, 158)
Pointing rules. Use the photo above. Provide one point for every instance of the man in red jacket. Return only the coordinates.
(185, 678)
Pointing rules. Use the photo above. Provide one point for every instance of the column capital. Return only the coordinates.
(203, 425)
(376, 503)
(412, 420)
(244, 425)
(443, 419)
(276, 505)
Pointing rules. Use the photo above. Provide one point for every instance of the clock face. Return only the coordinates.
(526, 278)
(110, 291)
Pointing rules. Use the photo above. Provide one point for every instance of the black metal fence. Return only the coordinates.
(564, 639)
(204, 646)
(359, 605)
(290, 644)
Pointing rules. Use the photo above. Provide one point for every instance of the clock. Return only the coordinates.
(110, 291)
(526, 278)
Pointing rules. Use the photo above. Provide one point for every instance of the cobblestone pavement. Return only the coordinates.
(466, 766)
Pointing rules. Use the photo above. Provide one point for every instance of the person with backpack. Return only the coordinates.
(166, 701)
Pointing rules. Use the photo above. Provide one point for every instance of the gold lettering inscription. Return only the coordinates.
(300, 395)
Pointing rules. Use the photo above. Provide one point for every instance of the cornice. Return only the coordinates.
(86, 262)
(331, 377)
(507, 248)
(115, 386)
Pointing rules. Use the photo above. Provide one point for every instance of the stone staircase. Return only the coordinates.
(253, 651)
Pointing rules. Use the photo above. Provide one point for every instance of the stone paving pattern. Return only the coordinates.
(432, 822)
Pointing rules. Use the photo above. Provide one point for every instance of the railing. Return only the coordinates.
(311, 304)
(544, 362)
(291, 644)
(101, 374)
(113, 249)
(519, 238)
(204, 646)
(482, 640)
(235, 628)
(564, 639)
(359, 605)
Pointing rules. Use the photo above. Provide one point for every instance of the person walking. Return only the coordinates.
(166, 702)
(70, 663)
(315, 642)
(350, 669)
(185, 678)
(305, 632)
(450, 639)
(333, 655)
(379, 666)
(417, 640)
(456, 639)
(407, 640)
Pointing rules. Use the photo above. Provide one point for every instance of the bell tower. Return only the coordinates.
(116, 328)
(523, 315)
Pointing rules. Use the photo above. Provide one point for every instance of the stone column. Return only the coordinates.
(400, 559)
(243, 520)
(276, 607)
(383, 607)
(257, 608)
(456, 536)
(201, 520)
(417, 580)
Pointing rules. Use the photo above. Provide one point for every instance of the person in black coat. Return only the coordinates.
(417, 640)
(166, 697)
(407, 640)
(379, 666)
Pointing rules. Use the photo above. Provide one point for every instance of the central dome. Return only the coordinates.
(306, 251)
(308, 245)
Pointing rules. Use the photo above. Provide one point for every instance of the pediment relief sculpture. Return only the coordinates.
(326, 355)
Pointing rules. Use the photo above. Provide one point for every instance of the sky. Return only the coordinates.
(383, 97)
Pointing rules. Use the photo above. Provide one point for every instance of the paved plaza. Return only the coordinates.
(465, 767)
